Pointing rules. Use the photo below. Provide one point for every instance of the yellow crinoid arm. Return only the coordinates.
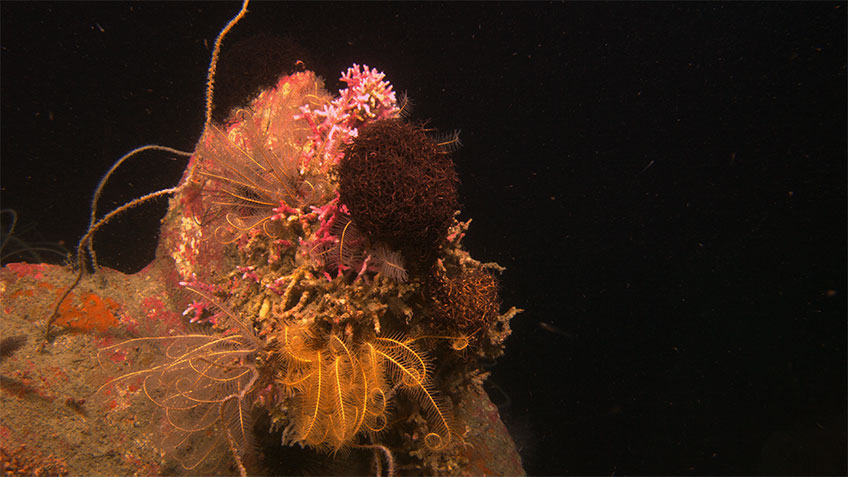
(419, 385)
(406, 357)
(314, 399)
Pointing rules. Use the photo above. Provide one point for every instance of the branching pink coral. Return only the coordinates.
(198, 309)
(337, 245)
(367, 97)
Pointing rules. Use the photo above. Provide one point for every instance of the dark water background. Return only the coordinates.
(666, 184)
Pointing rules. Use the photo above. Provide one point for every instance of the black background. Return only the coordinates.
(666, 184)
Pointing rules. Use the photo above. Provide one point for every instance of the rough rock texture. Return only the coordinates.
(49, 404)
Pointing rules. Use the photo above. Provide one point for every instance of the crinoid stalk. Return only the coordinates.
(306, 229)
(85, 244)
(15, 246)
